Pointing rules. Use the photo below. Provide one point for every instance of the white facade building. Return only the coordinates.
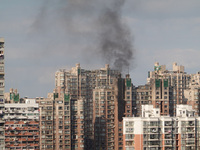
(22, 111)
(155, 132)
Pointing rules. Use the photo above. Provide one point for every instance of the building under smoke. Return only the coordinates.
(97, 101)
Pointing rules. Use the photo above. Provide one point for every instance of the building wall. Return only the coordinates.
(192, 97)
(2, 80)
(105, 117)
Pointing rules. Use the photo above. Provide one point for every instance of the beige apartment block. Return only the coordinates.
(46, 123)
(105, 117)
(168, 87)
(110, 104)
(191, 95)
(86, 116)
(164, 89)
(61, 122)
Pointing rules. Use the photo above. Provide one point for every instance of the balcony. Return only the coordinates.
(190, 129)
(168, 123)
(168, 142)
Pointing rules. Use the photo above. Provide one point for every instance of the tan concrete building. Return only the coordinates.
(105, 118)
(168, 87)
(56, 130)
(164, 89)
(80, 86)
(191, 95)
(110, 104)
(46, 123)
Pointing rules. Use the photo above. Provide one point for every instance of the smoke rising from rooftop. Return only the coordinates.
(96, 23)
(115, 38)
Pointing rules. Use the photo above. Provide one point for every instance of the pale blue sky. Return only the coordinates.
(165, 31)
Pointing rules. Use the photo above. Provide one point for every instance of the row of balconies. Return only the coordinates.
(188, 142)
(21, 133)
(26, 146)
(32, 139)
(22, 122)
(22, 128)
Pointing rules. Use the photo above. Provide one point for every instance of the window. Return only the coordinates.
(1, 68)
(129, 136)
(129, 123)
(129, 143)
(129, 130)
(1, 84)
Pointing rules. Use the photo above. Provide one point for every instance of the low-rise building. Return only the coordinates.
(22, 125)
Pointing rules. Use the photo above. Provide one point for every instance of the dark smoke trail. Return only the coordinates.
(74, 23)
(115, 38)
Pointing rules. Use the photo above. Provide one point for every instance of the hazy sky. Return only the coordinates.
(43, 36)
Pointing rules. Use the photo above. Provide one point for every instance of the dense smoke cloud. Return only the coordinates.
(115, 37)
(96, 23)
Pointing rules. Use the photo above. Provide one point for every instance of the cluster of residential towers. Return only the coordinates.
(102, 110)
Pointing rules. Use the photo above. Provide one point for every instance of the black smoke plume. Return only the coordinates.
(96, 23)
(115, 38)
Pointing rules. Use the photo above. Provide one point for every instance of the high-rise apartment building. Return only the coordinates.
(168, 87)
(56, 130)
(88, 92)
(110, 104)
(2, 73)
(164, 89)
(152, 131)
(46, 115)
